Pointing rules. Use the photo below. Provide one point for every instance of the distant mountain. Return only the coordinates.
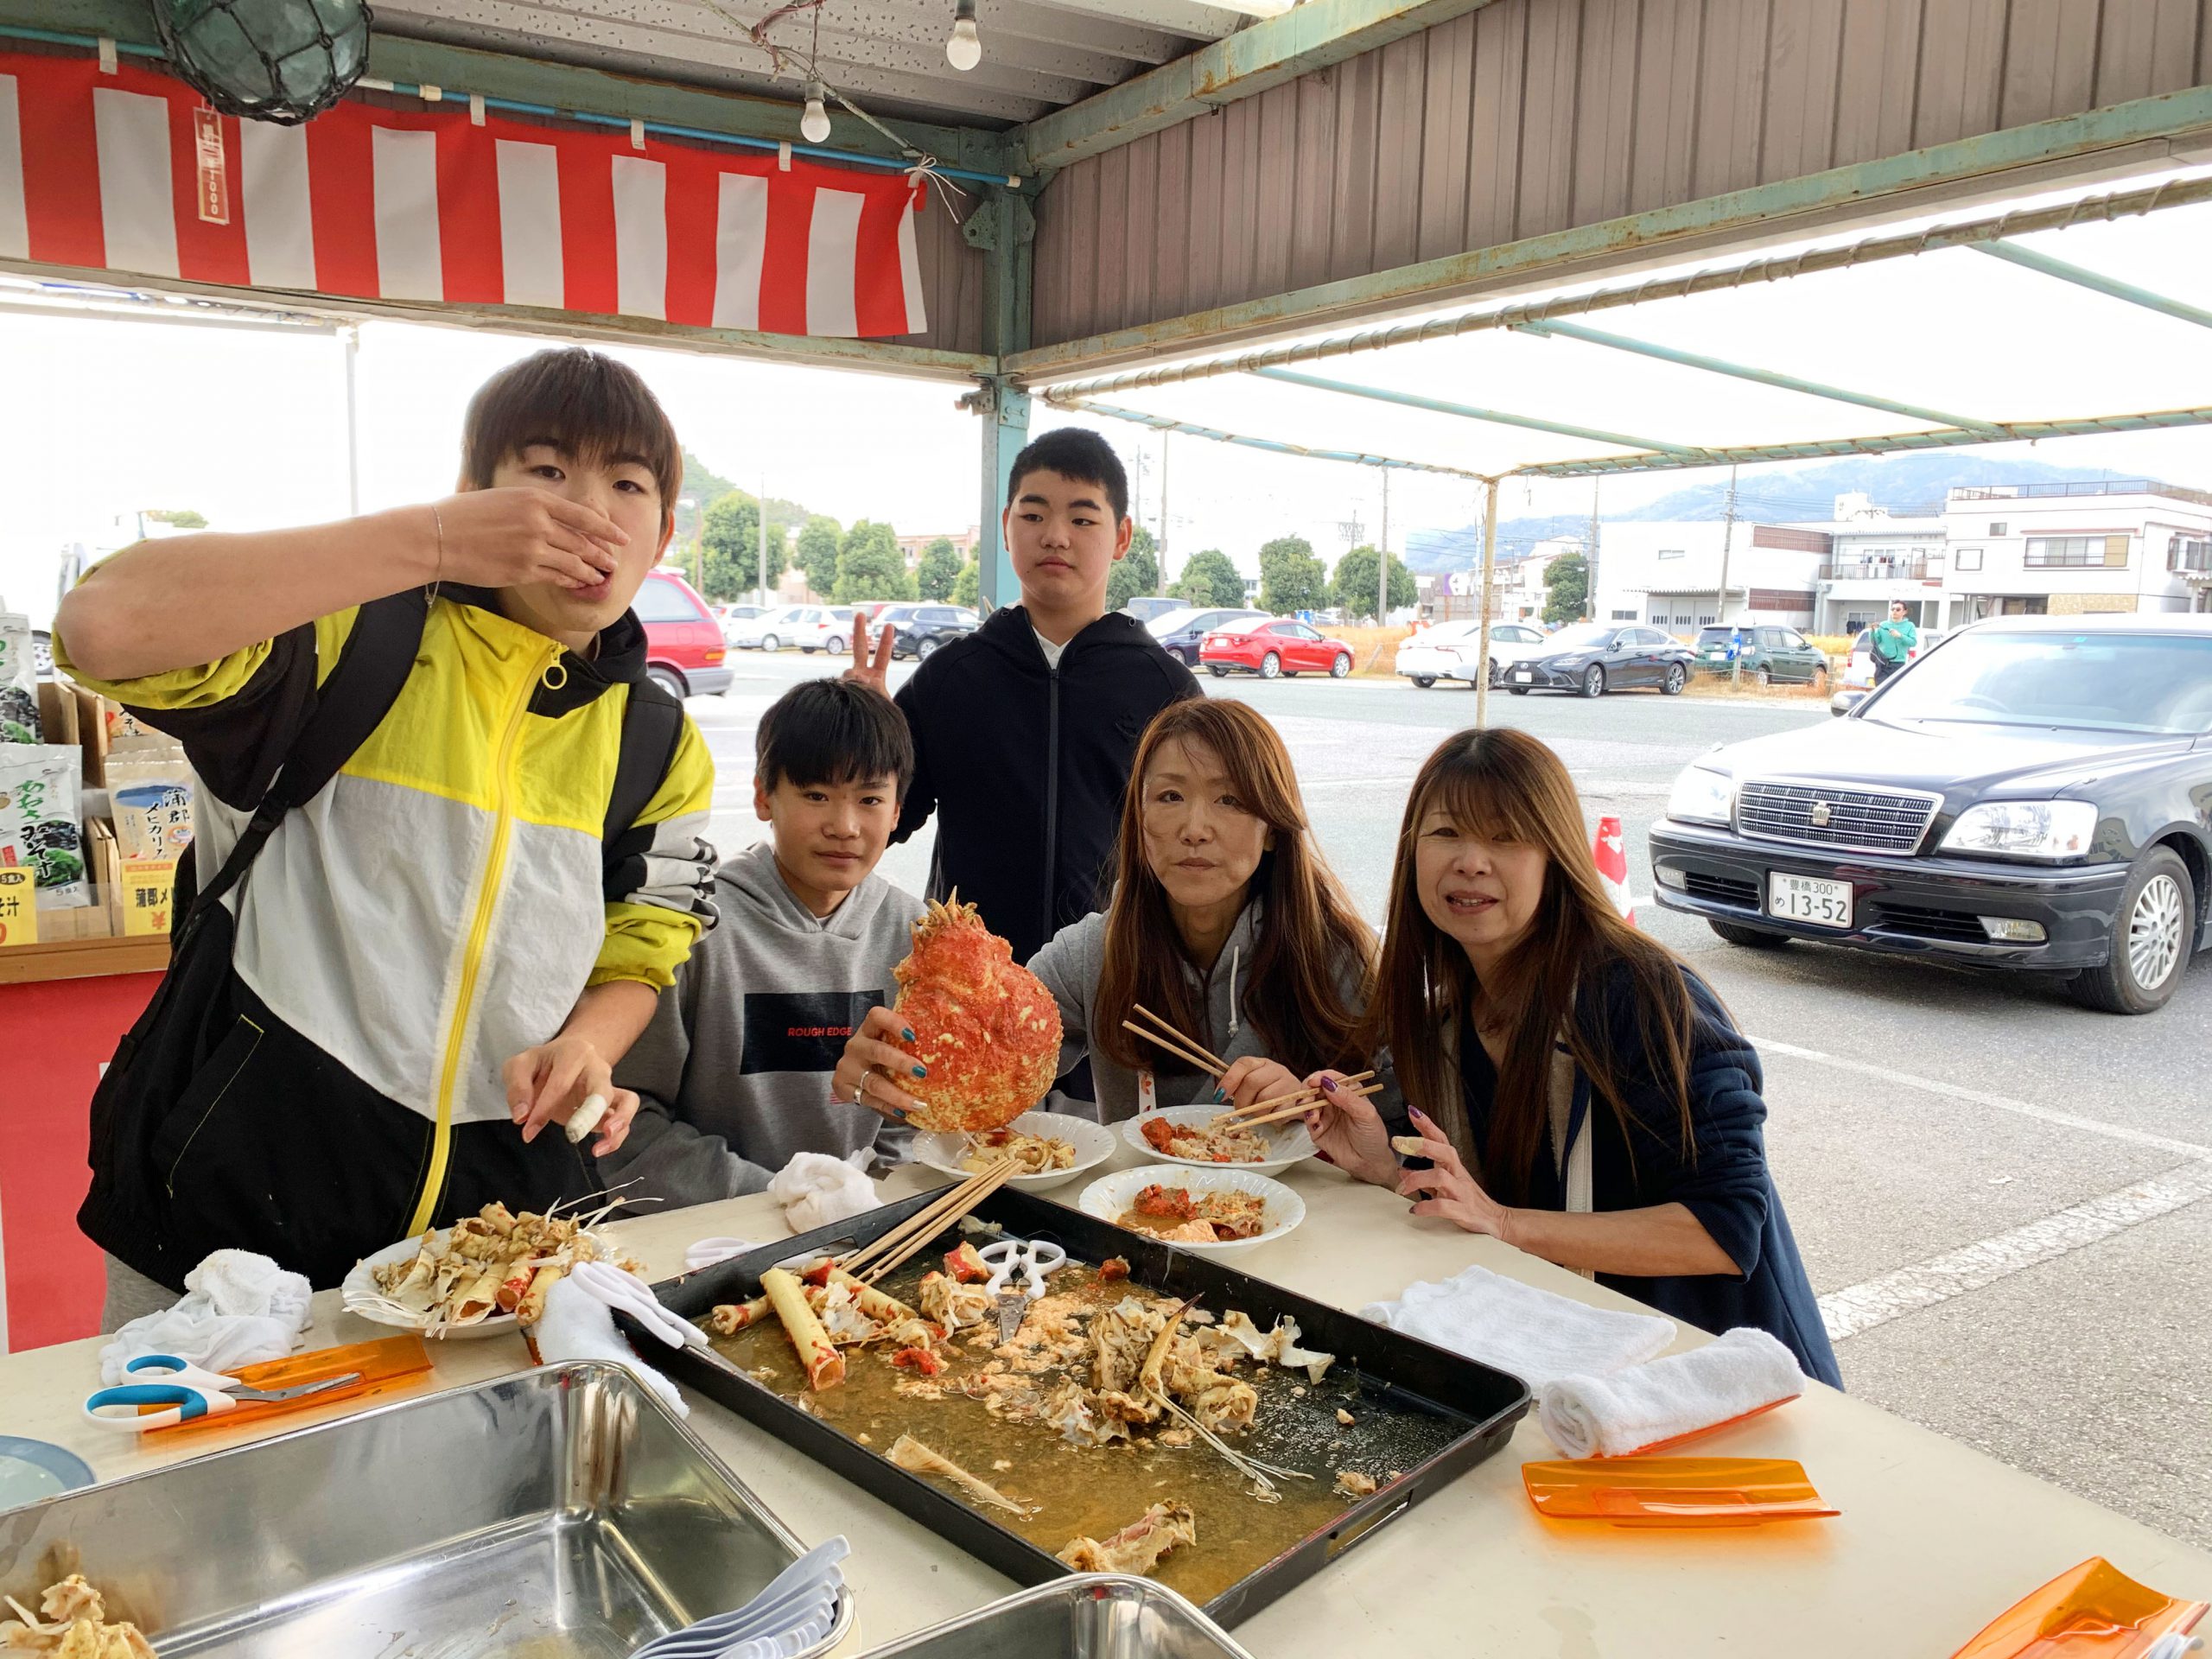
(1901, 483)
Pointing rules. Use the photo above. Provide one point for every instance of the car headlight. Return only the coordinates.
(1701, 795)
(2025, 829)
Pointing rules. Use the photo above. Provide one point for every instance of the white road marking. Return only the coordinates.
(1861, 1307)
(2002, 1103)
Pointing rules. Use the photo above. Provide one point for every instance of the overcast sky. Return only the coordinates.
(101, 419)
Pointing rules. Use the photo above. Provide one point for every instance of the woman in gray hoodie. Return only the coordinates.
(1225, 921)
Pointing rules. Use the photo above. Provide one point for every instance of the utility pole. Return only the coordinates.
(1590, 559)
(1728, 543)
(1490, 572)
(1160, 551)
(1383, 564)
(764, 541)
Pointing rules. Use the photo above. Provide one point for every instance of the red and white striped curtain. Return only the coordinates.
(130, 171)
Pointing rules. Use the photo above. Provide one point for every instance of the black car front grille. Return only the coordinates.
(1721, 889)
(1951, 926)
(1819, 815)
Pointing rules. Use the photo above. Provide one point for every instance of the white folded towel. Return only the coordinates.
(818, 1190)
(1516, 1327)
(1646, 1405)
(239, 1309)
(578, 1325)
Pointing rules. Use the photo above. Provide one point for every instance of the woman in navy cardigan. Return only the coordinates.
(1579, 1094)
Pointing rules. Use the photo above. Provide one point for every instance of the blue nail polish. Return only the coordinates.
(921, 1071)
(908, 1034)
(1219, 1097)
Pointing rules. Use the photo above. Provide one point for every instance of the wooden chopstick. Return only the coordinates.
(989, 1182)
(930, 1219)
(1287, 1113)
(1172, 1046)
(1192, 1044)
(1242, 1112)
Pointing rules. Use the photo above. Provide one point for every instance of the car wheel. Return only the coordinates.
(769, 642)
(1674, 681)
(1763, 675)
(669, 681)
(836, 643)
(1270, 666)
(2151, 939)
(1217, 670)
(1341, 667)
(1751, 938)
(1518, 690)
(1820, 681)
(1593, 681)
(1424, 681)
(923, 648)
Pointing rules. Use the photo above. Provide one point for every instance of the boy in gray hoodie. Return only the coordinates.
(733, 1073)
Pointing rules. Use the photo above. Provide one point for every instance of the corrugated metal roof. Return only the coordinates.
(886, 55)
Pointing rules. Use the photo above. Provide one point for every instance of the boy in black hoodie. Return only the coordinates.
(1024, 730)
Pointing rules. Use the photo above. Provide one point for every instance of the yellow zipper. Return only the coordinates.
(487, 893)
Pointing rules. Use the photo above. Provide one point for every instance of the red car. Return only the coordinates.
(1272, 647)
(684, 651)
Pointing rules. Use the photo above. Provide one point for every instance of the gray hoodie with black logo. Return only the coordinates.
(733, 1074)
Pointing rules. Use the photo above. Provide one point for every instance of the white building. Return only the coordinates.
(1670, 575)
(2062, 549)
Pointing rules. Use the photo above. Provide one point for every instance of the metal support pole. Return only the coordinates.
(2028, 258)
(764, 541)
(1469, 412)
(1721, 609)
(1004, 228)
(1590, 556)
(1490, 578)
(1160, 551)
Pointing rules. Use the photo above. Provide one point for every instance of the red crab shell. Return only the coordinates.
(985, 1027)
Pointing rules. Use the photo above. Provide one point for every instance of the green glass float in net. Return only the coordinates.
(281, 60)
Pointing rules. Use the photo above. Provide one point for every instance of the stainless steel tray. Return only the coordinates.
(1090, 1616)
(564, 1513)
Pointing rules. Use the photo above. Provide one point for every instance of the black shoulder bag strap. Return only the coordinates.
(652, 726)
(352, 702)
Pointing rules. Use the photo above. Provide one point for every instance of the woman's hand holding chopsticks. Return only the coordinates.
(1349, 1131)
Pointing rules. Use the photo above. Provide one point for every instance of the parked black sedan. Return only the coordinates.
(923, 628)
(1591, 658)
(2034, 793)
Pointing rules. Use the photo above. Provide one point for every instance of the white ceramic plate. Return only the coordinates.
(1093, 1144)
(1288, 1143)
(1109, 1197)
(359, 1294)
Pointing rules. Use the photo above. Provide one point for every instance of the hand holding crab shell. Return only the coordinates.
(870, 1071)
(556, 1083)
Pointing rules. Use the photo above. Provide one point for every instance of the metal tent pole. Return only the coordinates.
(1490, 572)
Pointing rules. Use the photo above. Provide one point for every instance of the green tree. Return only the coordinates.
(1291, 578)
(731, 537)
(1567, 584)
(702, 487)
(179, 518)
(968, 586)
(1211, 580)
(870, 565)
(1353, 590)
(1136, 572)
(938, 570)
(817, 552)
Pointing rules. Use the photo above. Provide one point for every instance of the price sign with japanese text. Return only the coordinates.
(18, 905)
(146, 885)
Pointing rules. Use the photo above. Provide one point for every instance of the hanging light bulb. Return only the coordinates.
(963, 49)
(814, 125)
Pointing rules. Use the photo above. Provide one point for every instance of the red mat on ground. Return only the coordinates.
(53, 1278)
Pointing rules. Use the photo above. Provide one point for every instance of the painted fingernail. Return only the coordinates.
(1219, 1097)
(898, 1112)
(1328, 1086)
(921, 1071)
(908, 1034)
(1418, 1113)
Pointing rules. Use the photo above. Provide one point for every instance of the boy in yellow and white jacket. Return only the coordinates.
(395, 991)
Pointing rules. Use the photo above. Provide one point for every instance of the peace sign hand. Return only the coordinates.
(872, 669)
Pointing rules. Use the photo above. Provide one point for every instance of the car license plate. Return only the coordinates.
(1522, 675)
(1808, 898)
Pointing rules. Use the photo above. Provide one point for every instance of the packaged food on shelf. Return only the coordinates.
(19, 721)
(38, 821)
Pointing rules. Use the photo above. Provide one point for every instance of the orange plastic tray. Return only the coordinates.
(2091, 1612)
(392, 1364)
(1674, 1492)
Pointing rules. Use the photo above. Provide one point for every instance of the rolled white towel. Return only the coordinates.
(818, 1190)
(578, 1325)
(1742, 1371)
(239, 1309)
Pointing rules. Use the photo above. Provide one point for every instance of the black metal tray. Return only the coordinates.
(1443, 1384)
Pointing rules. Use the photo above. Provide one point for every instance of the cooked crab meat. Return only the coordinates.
(1136, 1548)
(952, 1304)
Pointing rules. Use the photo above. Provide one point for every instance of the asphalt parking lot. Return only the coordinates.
(1999, 1195)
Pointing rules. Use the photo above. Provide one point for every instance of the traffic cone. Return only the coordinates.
(1612, 865)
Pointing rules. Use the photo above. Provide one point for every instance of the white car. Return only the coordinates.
(811, 627)
(1448, 650)
(1859, 671)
